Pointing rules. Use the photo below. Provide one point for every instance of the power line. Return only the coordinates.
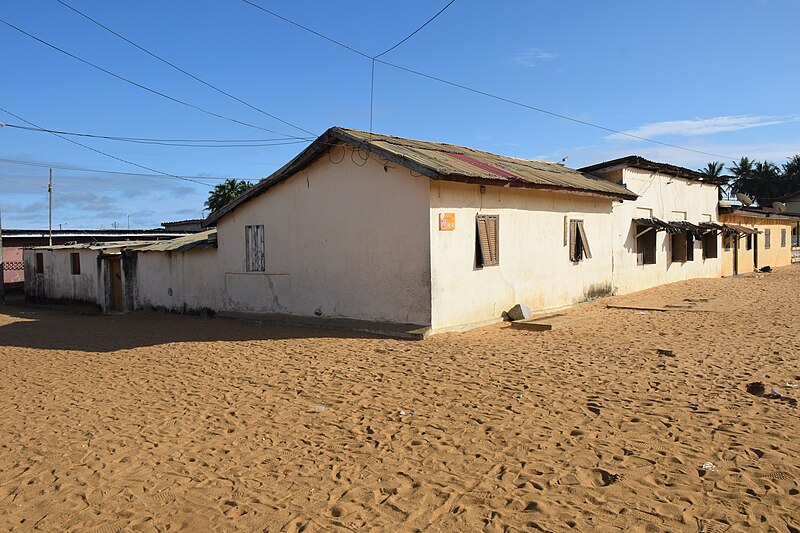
(179, 69)
(136, 84)
(485, 93)
(309, 30)
(75, 168)
(413, 32)
(194, 143)
(105, 153)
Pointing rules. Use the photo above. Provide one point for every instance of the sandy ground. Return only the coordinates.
(158, 422)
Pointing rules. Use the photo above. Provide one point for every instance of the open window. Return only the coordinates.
(645, 245)
(75, 263)
(487, 245)
(727, 241)
(709, 241)
(682, 247)
(578, 243)
(39, 263)
(254, 248)
(748, 242)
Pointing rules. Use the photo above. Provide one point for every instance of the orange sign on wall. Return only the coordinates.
(447, 221)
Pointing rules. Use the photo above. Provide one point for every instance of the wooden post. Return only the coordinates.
(50, 194)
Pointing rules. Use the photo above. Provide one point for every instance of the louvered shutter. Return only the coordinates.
(573, 244)
(584, 242)
(493, 223)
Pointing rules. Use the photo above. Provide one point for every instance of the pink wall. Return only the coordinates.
(13, 271)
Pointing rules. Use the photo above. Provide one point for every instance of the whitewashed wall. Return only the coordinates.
(179, 281)
(666, 198)
(57, 283)
(347, 240)
(535, 267)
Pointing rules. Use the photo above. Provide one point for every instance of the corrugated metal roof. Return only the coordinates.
(204, 239)
(636, 161)
(441, 161)
(462, 163)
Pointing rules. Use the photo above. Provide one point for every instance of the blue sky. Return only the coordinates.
(713, 76)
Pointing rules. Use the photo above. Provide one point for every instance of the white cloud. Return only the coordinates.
(701, 126)
(531, 57)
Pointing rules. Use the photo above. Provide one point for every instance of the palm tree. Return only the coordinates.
(791, 174)
(713, 171)
(225, 192)
(743, 179)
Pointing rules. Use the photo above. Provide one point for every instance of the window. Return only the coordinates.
(748, 243)
(75, 262)
(578, 243)
(726, 241)
(682, 247)
(487, 247)
(645, 245)
(40, 263)
(767, 239)
(710, 245)
(254, 248)
(783, 238)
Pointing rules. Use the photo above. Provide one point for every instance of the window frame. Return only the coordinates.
(641, 238)
(75, 263)
(767, 239)
(783, 237)
(578, 242)
(253, 260)
(679, 254)
(709, 237)
(39, 266)
(487, 240)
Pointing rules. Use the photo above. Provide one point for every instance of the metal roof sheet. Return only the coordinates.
(204, 239)
(441, 161)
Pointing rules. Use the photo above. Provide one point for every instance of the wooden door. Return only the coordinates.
(116, 284)
(755, 251)
(736, 241)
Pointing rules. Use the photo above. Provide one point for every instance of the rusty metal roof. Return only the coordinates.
(194, 241)
(441, 161)
(636, 161)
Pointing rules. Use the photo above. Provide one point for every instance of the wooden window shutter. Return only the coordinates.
(488, 227)
(573, 240)
(584, 241)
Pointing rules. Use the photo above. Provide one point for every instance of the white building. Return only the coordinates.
(384, 229)
(670, 232)
(381, 228)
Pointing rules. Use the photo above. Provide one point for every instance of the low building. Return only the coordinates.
(15, 240)
(669, 232)
(763, 237)
(381, 228)
(128, 275)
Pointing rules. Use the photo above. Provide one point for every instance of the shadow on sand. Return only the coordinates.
(70, 329)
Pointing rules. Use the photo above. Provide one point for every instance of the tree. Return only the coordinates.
(713, 171)
(225, 192)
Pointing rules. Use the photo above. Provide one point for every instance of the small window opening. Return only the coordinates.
(75, 262)
(487, 246)
(645, 245)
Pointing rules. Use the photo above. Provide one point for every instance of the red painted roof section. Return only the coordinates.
(481, 165)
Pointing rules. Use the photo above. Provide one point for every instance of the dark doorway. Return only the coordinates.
(116, 283)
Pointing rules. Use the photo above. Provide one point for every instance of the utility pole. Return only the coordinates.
(50, 194)
(2, 266)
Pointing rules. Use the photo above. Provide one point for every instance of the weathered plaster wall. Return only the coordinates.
(668, 199)
(179, 281)
(346, 236)
(534, 268)
(57, 283)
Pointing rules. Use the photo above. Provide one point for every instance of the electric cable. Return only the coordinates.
(181, 70)
(136, 84)
(106, 153)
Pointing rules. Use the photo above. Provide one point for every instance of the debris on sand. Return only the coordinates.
(663, 351)
(759, 389)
